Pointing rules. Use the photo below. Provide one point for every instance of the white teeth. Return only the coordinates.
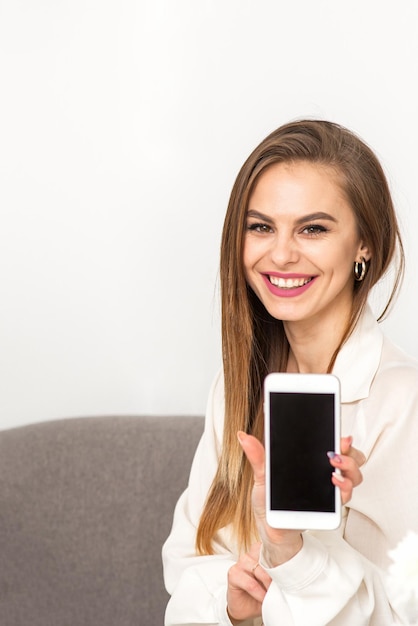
(288, 283)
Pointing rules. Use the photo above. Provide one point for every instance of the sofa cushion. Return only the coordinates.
(85, 505)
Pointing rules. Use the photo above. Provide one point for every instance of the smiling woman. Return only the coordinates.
(307, 241)
(309, 230)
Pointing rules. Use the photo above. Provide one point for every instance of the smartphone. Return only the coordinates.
(302, 423)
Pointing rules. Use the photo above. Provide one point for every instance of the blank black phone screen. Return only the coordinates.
(301, 433)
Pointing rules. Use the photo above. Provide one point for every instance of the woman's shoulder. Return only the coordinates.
(394, 356)
(215, 408)
(397, 367)
(216, 399)
(393, 395)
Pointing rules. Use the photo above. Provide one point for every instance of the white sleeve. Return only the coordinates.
(197, 584)
(327, 582)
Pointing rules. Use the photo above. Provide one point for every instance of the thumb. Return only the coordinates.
(254, 452)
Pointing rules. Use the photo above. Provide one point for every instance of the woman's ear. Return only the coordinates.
(363, 251)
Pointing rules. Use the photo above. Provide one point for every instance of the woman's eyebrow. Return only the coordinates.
(311, 217)
(260, 216)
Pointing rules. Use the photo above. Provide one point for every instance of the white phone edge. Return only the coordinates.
(319, 383)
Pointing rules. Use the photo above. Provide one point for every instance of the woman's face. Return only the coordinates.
(300, 244)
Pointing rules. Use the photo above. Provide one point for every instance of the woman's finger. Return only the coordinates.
(348, 467)
(242, 581)
(345, 486)
(348, 463)
(349, 450)
(247, 585)
(254, 452)
(255, 569)
(357, 455)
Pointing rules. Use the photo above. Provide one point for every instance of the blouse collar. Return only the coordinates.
(359, 358)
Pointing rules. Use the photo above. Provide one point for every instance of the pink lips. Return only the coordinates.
(287, 293)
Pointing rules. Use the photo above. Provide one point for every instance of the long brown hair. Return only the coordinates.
(254, 343)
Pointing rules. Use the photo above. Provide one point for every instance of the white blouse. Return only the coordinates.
(338, 576)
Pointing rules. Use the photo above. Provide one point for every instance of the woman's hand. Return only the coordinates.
(247, 585)
(279, 545)
(247, 580)
(348, 462)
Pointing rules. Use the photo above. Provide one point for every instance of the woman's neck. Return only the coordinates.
(312, 346)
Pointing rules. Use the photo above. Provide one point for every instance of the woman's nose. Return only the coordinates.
(284, 250)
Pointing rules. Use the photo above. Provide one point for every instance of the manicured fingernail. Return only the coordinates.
(334, 456)
(338, 477)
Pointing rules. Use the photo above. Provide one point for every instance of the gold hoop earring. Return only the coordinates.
(360, 269)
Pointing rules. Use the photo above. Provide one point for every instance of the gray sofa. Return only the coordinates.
(85, 505)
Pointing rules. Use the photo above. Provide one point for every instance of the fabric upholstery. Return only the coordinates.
(85, 505)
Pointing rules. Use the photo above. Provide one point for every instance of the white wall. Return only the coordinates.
(122, 126)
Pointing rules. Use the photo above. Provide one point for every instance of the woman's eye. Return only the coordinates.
(259, 228)
(314, 229)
